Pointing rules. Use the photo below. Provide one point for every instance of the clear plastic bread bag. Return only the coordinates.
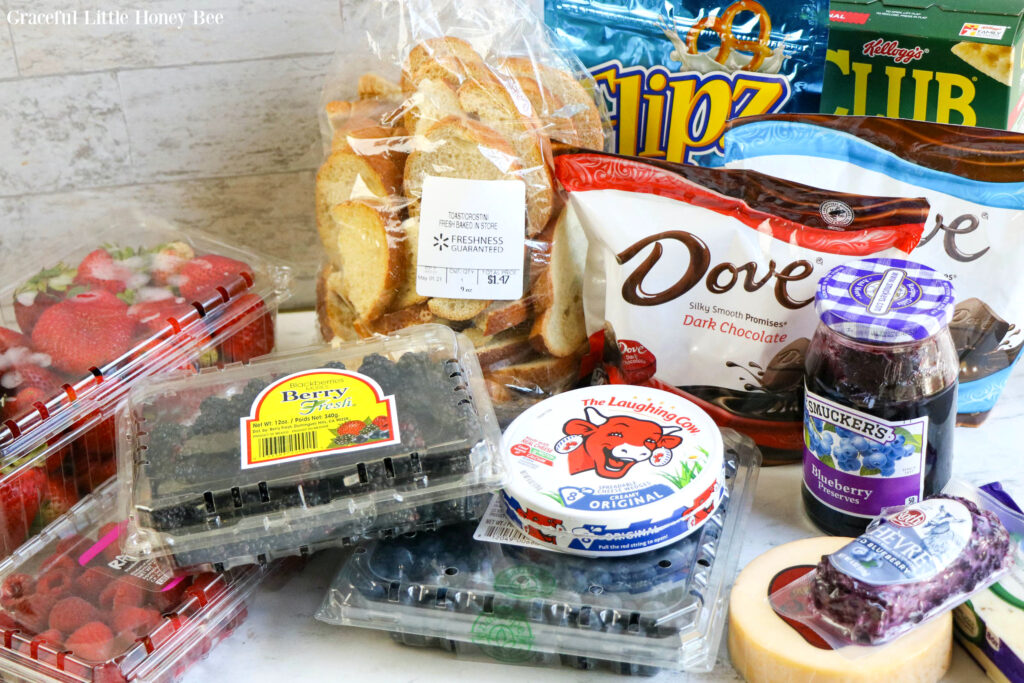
(436, 201)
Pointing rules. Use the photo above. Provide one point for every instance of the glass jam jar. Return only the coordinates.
(880, 399)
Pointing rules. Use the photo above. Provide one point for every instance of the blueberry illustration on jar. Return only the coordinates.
(880, 399)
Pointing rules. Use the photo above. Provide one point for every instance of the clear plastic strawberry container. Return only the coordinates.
(305, 450)
(663, 609)
(73, 609)
(82, 325)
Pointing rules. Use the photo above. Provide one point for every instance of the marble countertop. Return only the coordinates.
(281, 640)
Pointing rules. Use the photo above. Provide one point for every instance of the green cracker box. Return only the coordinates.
(951, 61)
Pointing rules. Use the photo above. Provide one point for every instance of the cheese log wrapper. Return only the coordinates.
(974, 180)
(699, 281)
(912, 565)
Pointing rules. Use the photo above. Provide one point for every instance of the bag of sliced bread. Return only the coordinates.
(701, 281)
(436, 201)
(974, 180)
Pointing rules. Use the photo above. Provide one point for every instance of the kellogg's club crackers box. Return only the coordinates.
(959, 61)
(673, 74)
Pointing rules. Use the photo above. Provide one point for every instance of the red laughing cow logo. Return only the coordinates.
(612, 445)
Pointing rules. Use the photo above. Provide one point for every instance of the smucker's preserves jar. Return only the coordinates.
(881, 384)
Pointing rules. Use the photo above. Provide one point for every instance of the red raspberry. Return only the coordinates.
(69, 614)
(165, 601)
(51, 636)
(62, 562)
(351, 428)
(111, 552)
(32, 612)
(382, 423)
(119, 595)
(16, 587)
(55, 583)
(93, 642)
(136, 621)
(70, 543)
(91, 583)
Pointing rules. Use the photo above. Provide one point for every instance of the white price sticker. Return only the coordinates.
(472, 239)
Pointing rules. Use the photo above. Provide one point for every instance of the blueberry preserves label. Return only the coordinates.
(912, 545)
(859, 464)
(317, 412)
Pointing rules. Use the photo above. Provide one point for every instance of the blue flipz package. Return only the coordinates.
(674, 72)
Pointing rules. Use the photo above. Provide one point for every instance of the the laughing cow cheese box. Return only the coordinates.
(612, 470)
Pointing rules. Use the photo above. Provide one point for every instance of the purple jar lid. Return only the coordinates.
(885, 300)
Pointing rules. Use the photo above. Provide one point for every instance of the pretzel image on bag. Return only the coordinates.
(673, 78)
(436, 201)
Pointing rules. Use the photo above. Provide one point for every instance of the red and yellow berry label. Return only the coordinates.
(314, 413)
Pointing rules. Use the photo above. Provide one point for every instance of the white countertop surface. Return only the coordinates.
(281, 640)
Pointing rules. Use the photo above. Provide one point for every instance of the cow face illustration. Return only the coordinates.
(611, 446)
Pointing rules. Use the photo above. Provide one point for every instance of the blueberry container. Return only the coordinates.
(92, 317)
(311, 449)
(73, 609)
(664, 609)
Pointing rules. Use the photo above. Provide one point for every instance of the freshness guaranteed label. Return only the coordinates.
(314, 413)
(472, 239)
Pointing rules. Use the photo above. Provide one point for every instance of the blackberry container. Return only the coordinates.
(57, 437)
(881, 385)
(664, 609)
(122, 620)
(306, 450)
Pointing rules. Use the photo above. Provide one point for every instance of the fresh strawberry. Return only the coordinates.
(382, 423)
(19, 404)
(93, 642)
(135, 621)
(198, 278)
(256, 338)
(56, 583)
(85, 331)
(20, 497)
(33, 611)
(10, 339)
(152, 316)
(101, 470)
(167, 261)
(61, 493)
(28, 375)
(351, 428)
(99, 270)
(91, 583)
(71, 613)
(98, 442)
(46, 288)
(119, 595)
(15, 587)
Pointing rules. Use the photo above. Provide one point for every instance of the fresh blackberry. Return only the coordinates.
(335, 365)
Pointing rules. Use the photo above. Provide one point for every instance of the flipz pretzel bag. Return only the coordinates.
(974, 180)
(436, 201)
(674, 73)
(701, 281)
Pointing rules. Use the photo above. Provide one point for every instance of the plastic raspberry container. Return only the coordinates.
(244, 465)
(82, 325)
(122, 620)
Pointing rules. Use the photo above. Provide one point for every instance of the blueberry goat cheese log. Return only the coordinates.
(916, 563)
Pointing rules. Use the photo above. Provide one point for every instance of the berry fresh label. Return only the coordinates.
(314, 413)
(912, 545)
(859, 464)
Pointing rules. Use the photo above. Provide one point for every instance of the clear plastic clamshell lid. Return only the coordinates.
(309, 449)
(612, 470)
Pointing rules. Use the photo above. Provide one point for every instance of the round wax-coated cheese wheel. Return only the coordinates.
(766, 649)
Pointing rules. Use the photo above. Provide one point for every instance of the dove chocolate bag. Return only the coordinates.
(974, 180)
(701, 281)
(673, 74)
